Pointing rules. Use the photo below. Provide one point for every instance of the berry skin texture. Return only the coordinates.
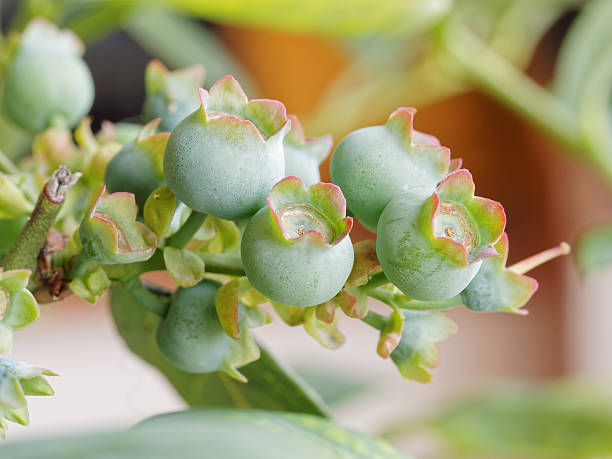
(372, 165)
(47, 81)
(190, 336)
(224, 157)
(138, 167)
(432, 247)
(296, 250)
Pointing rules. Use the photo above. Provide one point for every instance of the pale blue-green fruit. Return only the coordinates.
(408, 257)
(302, 272)
(42, 88)
(372, 165)
(190, 336)
(221, 167)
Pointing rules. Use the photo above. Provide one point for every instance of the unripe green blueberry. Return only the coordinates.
(171, 96)
(190, 336)
(432, 247)
(47, 81)
(304, 156)
(224, 157)
(296, 250)
(138, 167)
(374, 164)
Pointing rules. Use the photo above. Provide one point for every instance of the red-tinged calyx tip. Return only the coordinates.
(317, 213)
(467, 225)
(401, 121)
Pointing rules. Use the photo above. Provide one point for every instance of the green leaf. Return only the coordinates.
(36, 386)
(221, 235)
(13, 203)
(184, 42)
(326, 334)
(228, 434)
(584, 78)
(416, 351)
(552, 420)
(159, 210)
(391, 334)
(349, 18)
(184, 266)
(319, 323)
(583, 47)
(334, 387)
(291, 315)
(91, 285)
(22, 307)
(271, 385)
(495, 288)
(6, 338)
(594, 249)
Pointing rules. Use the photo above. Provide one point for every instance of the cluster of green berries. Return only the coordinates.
(247, 164)
(247, 161)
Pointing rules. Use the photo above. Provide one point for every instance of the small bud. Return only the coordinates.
(110, 234)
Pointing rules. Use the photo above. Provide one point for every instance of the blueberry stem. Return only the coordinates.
(179, 239)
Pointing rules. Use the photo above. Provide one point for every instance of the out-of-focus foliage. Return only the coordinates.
(594, 249)
(417, 69)
(184, 42)
(229, 434)
(340, 18)
(562, 420)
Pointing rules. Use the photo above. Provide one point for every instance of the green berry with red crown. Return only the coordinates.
(373, 165)
(432, 247)
(296, 250)
(224, 157)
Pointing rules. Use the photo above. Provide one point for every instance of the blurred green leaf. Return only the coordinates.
(594, 249)
(416, 351)
(93, 20)
(184, 42)
(336, 18)
(555, 420)
(271, 386)
(584, 46)
(584, 77)
(228, 434)
(334, 387)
